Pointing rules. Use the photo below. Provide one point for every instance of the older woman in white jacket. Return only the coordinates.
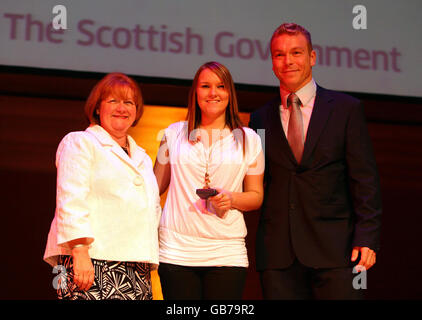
(104, 233)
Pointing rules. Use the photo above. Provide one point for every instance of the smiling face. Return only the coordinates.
(292, 61)
(212, 95)
(118, 112)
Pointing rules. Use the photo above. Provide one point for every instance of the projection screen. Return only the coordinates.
(364, 46)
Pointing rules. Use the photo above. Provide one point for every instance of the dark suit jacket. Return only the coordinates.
(318, 210)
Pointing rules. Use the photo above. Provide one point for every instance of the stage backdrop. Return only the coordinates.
(362, 46)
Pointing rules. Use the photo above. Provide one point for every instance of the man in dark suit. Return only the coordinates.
(322, 206)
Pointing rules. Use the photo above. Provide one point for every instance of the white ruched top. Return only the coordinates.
(190, 232)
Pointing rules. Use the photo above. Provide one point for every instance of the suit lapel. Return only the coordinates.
(320, 114)
(106, 140)
(277, 144)
(137, 155)
(136, 159)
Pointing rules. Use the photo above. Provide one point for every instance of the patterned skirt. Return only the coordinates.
(113, 280)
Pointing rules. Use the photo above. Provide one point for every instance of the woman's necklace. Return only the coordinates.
(207, 180)
(211, 146)
(126, 147)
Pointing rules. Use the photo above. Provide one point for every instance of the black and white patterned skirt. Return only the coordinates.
(113, 280)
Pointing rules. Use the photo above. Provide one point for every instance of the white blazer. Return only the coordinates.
(104, 194)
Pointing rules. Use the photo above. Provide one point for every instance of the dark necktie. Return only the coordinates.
(295, 130)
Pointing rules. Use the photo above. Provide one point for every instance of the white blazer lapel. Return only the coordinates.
(107, 142)
(137, 155)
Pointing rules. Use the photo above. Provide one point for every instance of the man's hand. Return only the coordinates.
(367, 257)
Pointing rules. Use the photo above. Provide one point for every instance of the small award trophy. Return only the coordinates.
(206, 191)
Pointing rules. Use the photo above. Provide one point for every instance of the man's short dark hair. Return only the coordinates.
(293, 29)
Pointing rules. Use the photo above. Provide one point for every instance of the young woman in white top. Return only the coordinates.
(104, 235)
(202, 241)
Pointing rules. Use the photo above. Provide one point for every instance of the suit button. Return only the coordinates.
(137, 181)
